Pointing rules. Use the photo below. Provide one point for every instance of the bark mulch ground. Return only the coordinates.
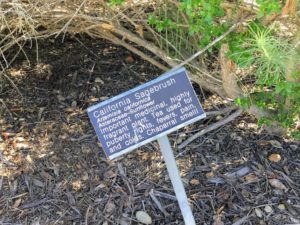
(53, 170)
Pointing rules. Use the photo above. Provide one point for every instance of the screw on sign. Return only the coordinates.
(147, 113)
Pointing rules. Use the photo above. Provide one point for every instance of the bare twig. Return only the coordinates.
(87, 215)
(158, 204)
(5, 106)
(207, 47)
(64, 28)
(34, 204)
(222, 111)
(123, 175)
(210, 128)
(165, 195)
(241, 221)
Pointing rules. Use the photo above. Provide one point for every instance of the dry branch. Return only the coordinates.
(210, 128)
(99, 21)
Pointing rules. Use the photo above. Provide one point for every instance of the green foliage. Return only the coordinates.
(116, 2)
(202, 20)
(266, 7)
(257, 49)
(269, 56)
(261, 49)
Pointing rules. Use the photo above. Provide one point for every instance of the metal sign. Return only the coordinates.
(145, 113)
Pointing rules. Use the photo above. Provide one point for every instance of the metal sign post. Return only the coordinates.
(147, 113)
(174, 174)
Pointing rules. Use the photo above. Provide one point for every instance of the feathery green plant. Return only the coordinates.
(270, 56)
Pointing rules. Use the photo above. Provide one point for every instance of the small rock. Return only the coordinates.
(268, 209)
(143, 217)
(281, 206)
(129, 59)
(258, 213)
(277, 184)
(219, 117)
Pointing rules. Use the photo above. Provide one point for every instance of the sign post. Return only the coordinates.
(174, 174)
(147, 113)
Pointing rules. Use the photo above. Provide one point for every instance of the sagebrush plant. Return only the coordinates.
(270, 56)
(258, 48)
(266, 7)
(190, 24)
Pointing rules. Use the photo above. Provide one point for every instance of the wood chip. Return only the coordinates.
(38, 183)
(17, 203)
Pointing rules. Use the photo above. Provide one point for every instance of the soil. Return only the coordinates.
(53, 170)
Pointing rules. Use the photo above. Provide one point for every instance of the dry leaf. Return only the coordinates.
(277, 184)
(46, 175)
(109, 174)
(143, 217)
(29, 159)
(76, 185)
(274, 157)
(194, 182)
(250, 178)
(140, 30)
(20, 146)
(209, 174)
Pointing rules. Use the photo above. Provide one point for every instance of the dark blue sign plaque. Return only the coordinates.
(145, 113)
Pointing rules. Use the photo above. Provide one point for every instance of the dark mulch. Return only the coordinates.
(53, 171)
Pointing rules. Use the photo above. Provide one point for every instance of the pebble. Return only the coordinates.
(281, 206)
(268, 209)
(143, 217)
(258, 213)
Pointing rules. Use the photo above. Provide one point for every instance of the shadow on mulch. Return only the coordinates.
(53, 170)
